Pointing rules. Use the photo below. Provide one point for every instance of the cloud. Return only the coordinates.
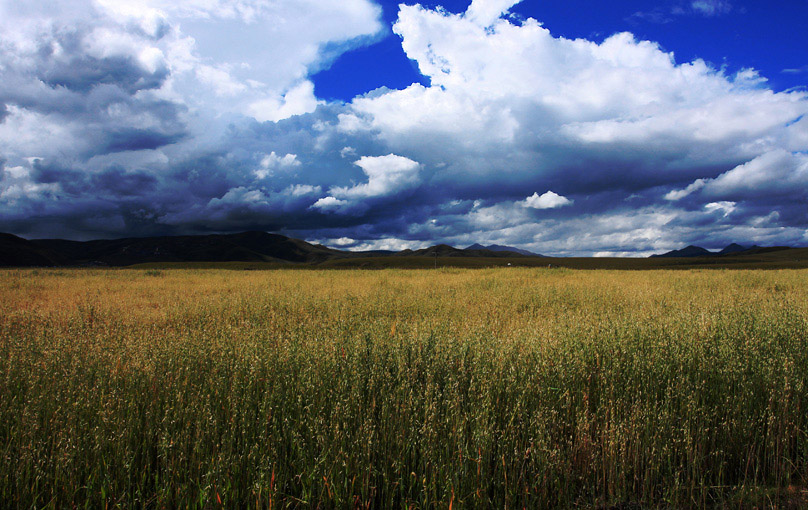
(299, 190)
(297, 100)
(119, 182)
(711, 7)
(343, 241)
(668, 14)
(486, 12)
(386, 175)
(120, 120)
(254, 55)
(329, 203)
(153, 73)
(776, 174)
(273, 162)
(796, 70)
(548, 200)
(680, 194)
(137, 140)
(596, 121)
(657, 15)
(725, 208)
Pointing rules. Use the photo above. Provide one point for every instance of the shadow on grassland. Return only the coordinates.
(796, 258)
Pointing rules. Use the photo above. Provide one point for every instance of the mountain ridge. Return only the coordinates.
(729, 250)
(250, 246)
(499, 247)
(264, 250)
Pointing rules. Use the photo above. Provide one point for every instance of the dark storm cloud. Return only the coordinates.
(136, 140)
(83, 74)
(220, 191)
(608, 147)
(92, 219)
(72, 181)
(114, 181)
(205, 177)
(72, 82)
(120, 182)
(72, 68)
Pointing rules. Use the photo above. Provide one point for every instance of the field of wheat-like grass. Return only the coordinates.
(449, 388)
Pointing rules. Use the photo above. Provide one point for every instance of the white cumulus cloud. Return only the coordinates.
(485, 12)
(724, 207)
(386, 175)
(548, 200)
(272, 162)
(329, 203)
(674, 195)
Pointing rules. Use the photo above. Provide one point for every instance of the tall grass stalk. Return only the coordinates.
(501, 388)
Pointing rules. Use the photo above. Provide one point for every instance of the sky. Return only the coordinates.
(569, 128)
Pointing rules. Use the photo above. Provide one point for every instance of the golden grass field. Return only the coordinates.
(448, 388)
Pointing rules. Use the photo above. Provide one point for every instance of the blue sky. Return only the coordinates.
(734, 35)
(567, 128)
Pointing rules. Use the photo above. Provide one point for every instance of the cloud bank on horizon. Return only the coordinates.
(201, 116)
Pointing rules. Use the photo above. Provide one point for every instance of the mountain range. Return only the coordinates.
(263, 250)
(499, 247)
(242, 247)
(732, 249)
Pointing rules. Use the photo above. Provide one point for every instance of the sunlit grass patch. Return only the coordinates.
(400, 388)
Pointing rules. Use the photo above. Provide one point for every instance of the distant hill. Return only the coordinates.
(444, 250)
(689, 251)
(257, 250)
(499, 247)
(258, 247)
(244, 247)
(16, 251)
(732, 249)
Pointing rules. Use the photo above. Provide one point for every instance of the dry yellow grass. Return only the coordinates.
(492, 387)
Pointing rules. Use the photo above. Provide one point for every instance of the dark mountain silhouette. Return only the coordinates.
(499, 247)
(758, 250)
(444, 250)
(732, 248)
(16, 251)
(259, 248)
(689, 251)
(243, 247)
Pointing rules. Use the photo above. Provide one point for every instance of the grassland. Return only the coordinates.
(449, 388)
(773, 258)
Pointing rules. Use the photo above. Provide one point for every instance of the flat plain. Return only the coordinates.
(448, 388)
